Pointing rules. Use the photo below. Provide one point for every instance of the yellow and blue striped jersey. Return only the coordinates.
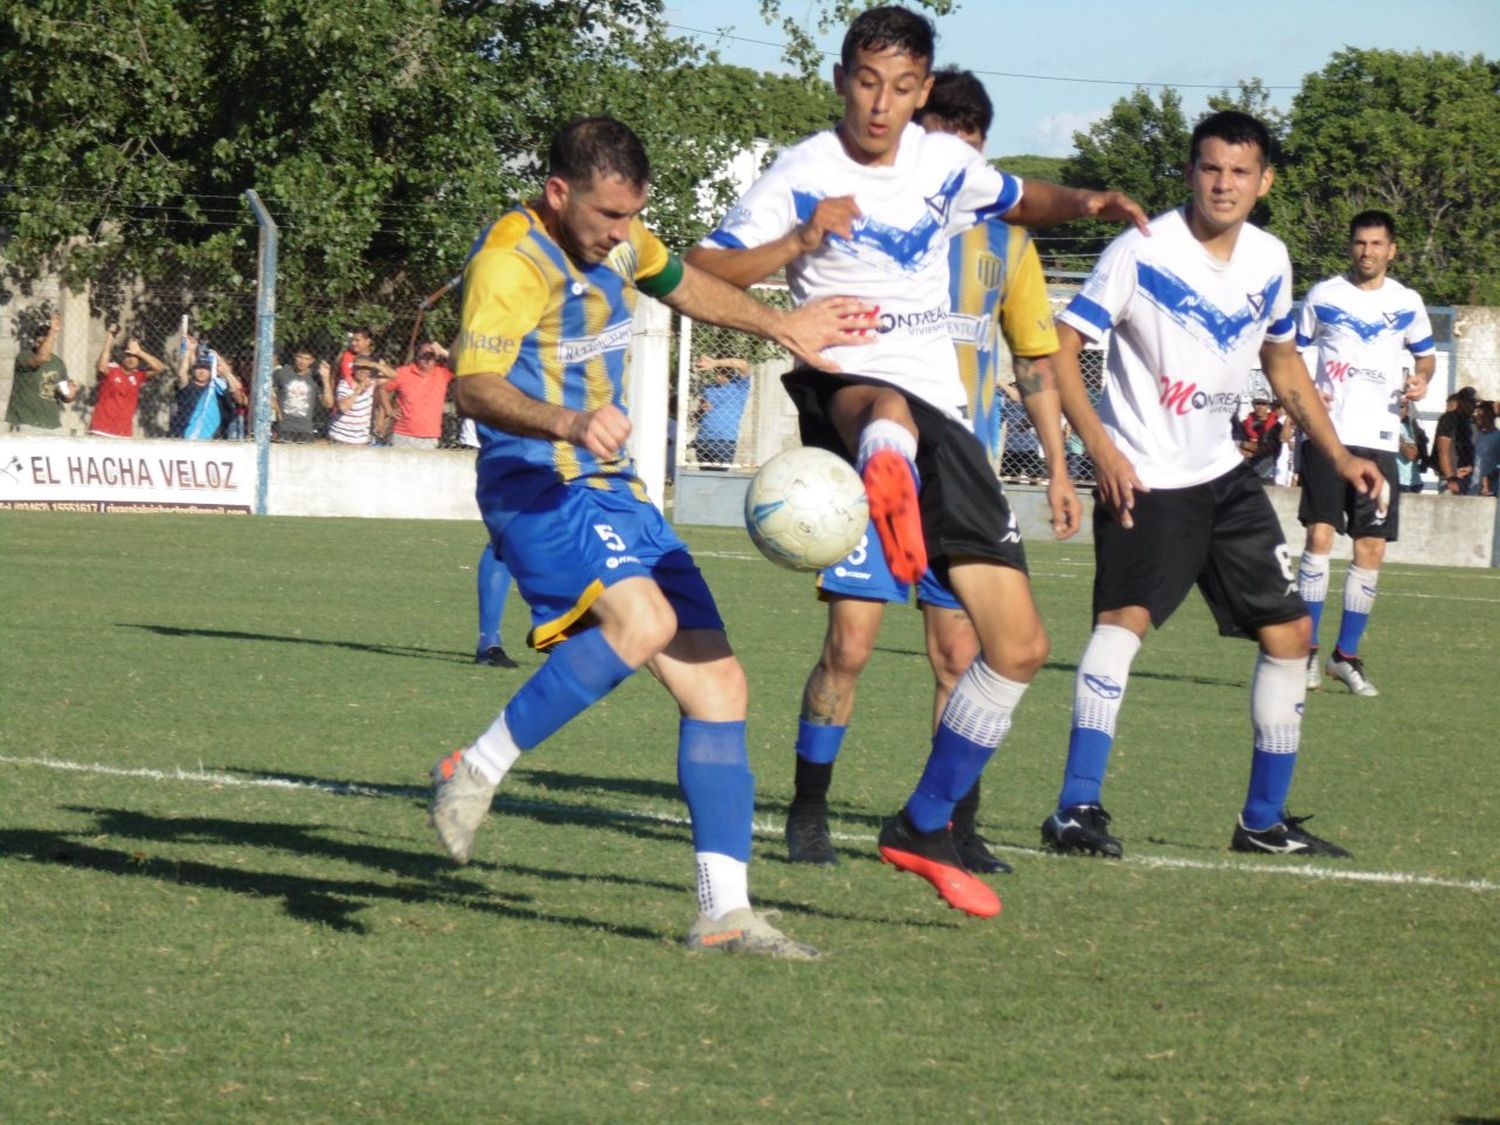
(559, 332)
(997, 288)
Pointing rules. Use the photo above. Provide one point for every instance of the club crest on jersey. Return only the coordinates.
(989, 270)
(622, 259)
(1257, 302)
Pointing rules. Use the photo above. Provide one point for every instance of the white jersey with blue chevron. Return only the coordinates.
(898, 256)
(1364, 338)
(1185, 331)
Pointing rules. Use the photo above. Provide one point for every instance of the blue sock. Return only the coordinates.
(1312, 584)
(952, 768)
(1359, 600)
(577, 673)
(819, 743)
(1270, 781)
(493, 583)
(713, 771)
(1315, 611)
(1088, 758)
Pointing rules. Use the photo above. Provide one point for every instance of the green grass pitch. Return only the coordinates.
(220, 900)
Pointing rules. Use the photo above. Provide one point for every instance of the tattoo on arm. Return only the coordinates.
(1297, 408)
(1031, 376)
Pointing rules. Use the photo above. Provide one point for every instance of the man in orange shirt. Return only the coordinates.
(416, 396)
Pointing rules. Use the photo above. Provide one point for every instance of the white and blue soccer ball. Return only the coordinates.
(806, 509)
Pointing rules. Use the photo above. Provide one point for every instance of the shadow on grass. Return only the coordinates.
(447, 657)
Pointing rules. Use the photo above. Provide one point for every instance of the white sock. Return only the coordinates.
(1312, 578)
(1278, 689)
(494, 751)
(883, 433)
(981, 705)
(1103, 672)
(723, 884)
(1359, 590)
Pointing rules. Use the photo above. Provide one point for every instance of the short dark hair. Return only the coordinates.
(362, 330)
(1234, 128)
(960, 99)
(598, 146)
(879, 29)
(1367, 219)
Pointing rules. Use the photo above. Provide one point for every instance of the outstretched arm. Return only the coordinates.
(1044, 204)
(490, 398)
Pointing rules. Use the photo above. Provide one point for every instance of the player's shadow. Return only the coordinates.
(555, 781)
(1168, 677)
(328, 785)
(413, 651)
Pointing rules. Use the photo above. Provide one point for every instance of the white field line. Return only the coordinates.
(764, 828)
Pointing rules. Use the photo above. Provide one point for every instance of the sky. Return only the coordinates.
(1090, 53)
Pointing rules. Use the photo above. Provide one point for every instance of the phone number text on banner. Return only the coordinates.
(44, 474)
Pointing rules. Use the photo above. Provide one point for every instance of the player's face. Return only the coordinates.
(881, 92)
(595, 218)
(1227, 179)
(1370, 253)
(932, 123)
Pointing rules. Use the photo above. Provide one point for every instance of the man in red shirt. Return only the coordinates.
(416, 396)
(120, 384)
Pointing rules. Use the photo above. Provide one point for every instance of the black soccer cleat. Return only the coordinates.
(1083, 829)
(1286, 838)
(494, 657)
(807, 837)
(977, 857)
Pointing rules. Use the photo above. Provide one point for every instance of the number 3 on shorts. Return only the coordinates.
(611, 540)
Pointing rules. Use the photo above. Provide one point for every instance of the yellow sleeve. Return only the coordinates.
(1026, 314)
(504, 298)
(651, 254)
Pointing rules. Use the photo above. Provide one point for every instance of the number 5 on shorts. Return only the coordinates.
(611, 540)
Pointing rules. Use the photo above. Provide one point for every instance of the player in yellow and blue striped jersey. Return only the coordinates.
(548, 295)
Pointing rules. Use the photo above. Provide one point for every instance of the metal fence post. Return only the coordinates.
(265, 344)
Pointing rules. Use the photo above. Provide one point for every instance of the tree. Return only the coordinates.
(1412, 133)
(381, 133)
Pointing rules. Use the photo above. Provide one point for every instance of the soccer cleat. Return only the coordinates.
(495, 657)
(1285, 838)
(807, 838)
(1081, 828)
(461, 799)
(1314, 670)
(974, 851)
(933, 856)
(892, 491)
(1350, 671)
(745, 931)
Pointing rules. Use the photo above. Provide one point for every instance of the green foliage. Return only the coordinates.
(381, 134)
(1030, 167)
(1412, 133)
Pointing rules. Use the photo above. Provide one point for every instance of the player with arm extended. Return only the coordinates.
(548, 295)
(1364, 324)
(996, 288)
(933, 493)
(1188, 311)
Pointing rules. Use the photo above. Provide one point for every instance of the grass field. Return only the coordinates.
(221, 900)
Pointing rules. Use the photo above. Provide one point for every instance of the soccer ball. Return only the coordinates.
(806, 509)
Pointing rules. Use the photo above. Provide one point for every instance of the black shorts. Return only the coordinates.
(1222, 535)
(1329, 498)
(964, 512)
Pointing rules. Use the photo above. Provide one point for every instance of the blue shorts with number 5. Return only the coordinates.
(574, 542)
(864, 573)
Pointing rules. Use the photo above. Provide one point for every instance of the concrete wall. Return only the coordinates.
(330, 480)
(1436, 530)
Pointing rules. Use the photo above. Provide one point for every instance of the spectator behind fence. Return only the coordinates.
(1258, 436)
(1022, 456)
(298, 390)
(1453, 449)
(40, 384)
(119, 389)
(1411, 452)
(415, 398)
(360, 352)
(722, 394)
(1486, 451)
(354, 406)
(206, 391)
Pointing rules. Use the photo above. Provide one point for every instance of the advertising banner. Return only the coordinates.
(43, 474)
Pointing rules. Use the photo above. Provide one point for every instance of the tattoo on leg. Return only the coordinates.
(820, 699)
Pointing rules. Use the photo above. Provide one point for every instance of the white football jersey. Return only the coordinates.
(1185, 331)
(898, 257)
(1363, 337)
